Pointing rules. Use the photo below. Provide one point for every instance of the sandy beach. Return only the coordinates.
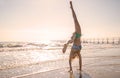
(103, 67)
(63, 73)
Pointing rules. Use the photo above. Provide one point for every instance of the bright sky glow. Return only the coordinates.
(34, 20)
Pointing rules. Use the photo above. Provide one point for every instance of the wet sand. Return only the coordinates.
(94, 72)
(58, 73)
(105, 64)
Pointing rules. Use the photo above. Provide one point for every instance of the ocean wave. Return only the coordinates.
(53, 45)
(11, 44)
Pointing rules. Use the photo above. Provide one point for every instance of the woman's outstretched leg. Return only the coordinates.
(77, 25)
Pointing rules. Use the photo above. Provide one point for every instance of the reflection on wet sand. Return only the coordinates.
(77, 74)
(72, 75)
(80, 75)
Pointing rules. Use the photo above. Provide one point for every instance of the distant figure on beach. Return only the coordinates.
(76, 40)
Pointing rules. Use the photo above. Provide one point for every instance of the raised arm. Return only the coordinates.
(77, 25)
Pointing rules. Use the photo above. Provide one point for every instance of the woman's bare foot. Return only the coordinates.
(64, 48)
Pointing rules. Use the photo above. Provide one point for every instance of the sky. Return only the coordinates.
(35, 20)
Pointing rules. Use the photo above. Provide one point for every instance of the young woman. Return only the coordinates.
(76, 40)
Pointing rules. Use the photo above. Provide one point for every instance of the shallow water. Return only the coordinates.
(36, 57)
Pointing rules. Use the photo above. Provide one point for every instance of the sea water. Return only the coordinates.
(17, 58)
